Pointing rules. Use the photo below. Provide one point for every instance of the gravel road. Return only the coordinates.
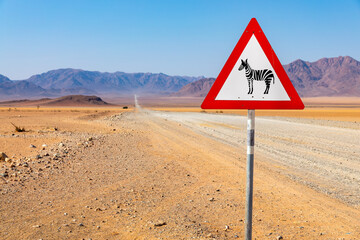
(326, 158)
(142, 174)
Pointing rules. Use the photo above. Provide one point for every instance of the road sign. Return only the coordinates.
(252, 77)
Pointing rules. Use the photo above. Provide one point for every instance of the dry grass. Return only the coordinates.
(18, 129)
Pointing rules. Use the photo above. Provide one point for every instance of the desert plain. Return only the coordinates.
(172, 171)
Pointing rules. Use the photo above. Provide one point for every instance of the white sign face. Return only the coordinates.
(256, 81)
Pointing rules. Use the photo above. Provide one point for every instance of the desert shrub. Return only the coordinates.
(18, 129)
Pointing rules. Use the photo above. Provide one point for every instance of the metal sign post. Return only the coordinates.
(249, 173)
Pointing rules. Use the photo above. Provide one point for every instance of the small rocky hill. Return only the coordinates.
(71, 100)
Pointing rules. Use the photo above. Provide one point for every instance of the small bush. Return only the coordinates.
(18, 129)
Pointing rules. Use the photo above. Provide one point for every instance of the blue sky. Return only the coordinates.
(187, 37)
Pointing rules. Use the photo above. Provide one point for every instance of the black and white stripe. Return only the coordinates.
(249, 173)
(265, 75)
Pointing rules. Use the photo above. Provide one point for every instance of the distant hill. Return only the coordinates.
(18, 89)
(326, 77)
(109, 82)
(4, 79)
(71, 100)
(198, 88)
(69, 81)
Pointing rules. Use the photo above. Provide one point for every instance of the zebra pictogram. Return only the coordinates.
(265, 75)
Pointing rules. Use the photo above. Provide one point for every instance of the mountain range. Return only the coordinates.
(69, 81)
(331, 77)
(326, 77)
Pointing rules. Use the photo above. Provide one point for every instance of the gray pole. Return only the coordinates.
(249, 173)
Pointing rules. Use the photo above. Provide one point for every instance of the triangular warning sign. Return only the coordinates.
(252, 77)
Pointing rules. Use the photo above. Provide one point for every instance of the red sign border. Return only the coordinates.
(253, 28)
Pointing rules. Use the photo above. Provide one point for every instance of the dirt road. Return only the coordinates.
(323, 157)
(162, 175)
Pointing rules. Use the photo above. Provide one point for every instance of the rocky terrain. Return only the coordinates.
(162, 175)
(326, 77)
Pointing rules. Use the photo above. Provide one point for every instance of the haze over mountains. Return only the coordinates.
(326, 77)
(69, 81)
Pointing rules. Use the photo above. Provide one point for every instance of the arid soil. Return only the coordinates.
(143, 174)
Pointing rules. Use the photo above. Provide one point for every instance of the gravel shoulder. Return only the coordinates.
(314, 152)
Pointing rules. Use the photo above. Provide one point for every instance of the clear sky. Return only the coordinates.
(184, 37)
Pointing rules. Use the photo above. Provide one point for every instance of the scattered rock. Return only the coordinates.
(4, 173)
(8, 160)
(227, 227)
(3, 156)
(61, 145)
(160, 223)
(279, 238)
(81, 224)
(211, 199)
(44, 146)
(65, 214)
(36, 226)
(89, 139)
(32, 146)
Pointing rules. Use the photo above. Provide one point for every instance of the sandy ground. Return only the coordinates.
(142, 174)
(165, 101)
